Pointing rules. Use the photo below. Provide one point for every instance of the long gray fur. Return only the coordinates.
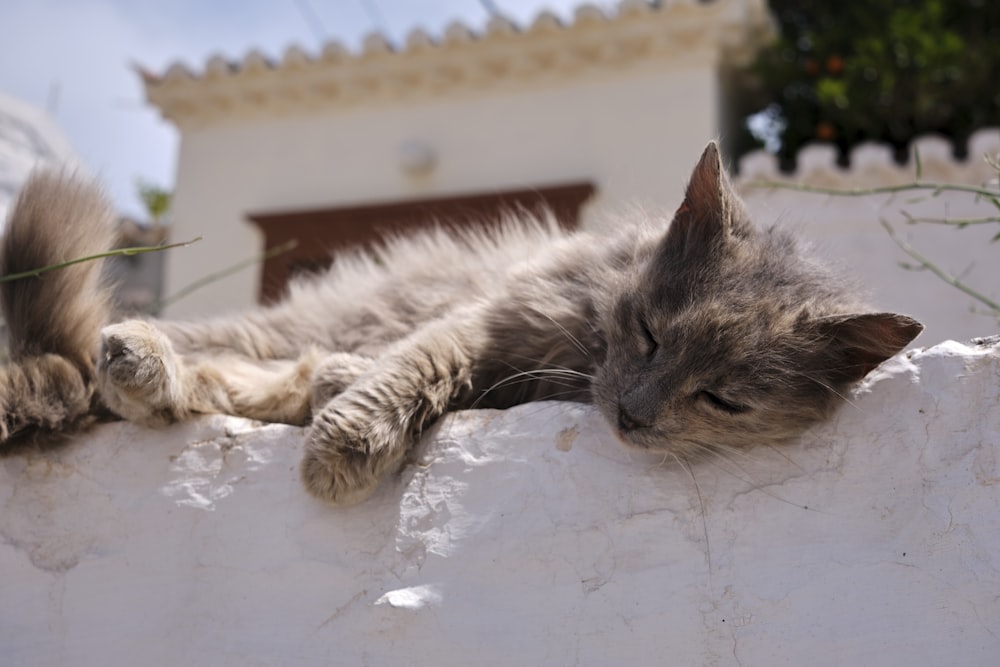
(691, 336)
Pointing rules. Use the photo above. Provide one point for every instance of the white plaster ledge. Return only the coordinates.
(527, 537)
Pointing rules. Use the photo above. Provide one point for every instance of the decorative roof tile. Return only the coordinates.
(873, 163)
(503, 53)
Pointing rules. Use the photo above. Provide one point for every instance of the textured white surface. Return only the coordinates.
(523, 537)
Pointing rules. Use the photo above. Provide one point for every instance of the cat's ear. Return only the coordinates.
(853, 345)
(711, 209)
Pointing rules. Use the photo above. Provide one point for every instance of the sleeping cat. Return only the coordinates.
(698, 336)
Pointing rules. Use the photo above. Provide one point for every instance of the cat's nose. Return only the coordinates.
(626, 422)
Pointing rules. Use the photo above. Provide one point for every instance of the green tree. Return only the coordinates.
(882, 70)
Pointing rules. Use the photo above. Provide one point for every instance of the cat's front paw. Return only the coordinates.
(137, 373)
(348, 450)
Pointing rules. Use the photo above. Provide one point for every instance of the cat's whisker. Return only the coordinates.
(573, 339)
(717, 451)
(704, 519)
(543, 365)
(554, 396)
(540, 365)
(557, 396)
(830, 389)
(538, 375)
(542, 408)
(777, 450)
(747, 454)
(729, 450)
(552, 376)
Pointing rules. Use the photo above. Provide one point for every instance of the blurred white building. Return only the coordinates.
(28, 138)
(609, 110)
(591, 117)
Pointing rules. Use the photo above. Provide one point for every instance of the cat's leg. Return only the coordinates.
(143, 379)
(335, 373)
(366, 431)
(270, 333)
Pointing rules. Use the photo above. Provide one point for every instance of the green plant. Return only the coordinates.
(880, 70)
(120, 252)
(157, 200)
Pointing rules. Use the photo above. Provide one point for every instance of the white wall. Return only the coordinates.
(529, 537)
(847, 229)
(634, 133)
(552, 136)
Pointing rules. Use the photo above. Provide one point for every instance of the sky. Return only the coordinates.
(74, 59)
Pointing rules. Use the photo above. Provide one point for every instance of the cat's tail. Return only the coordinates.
(53, 319)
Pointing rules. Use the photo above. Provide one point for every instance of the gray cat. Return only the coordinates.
(699, 336)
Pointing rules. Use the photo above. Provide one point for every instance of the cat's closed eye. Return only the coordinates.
(650, 344)
(722, 404)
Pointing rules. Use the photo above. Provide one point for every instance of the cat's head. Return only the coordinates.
(727, 336)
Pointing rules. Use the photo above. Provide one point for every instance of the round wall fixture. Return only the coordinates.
(416, 157)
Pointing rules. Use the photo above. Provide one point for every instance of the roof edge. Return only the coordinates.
(682, 31)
